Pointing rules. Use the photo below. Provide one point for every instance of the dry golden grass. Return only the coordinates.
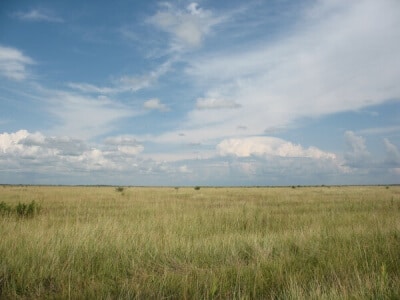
(302, 243)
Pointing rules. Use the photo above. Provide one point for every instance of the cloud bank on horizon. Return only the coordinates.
(188, 93)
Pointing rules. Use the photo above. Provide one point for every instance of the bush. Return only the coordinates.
(21, 209)
(5, 209)
(119, 189)
(27, 210)
(197, 188)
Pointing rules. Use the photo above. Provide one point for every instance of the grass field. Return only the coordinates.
(212, 243)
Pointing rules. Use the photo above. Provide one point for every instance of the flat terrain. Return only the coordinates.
(228, 243)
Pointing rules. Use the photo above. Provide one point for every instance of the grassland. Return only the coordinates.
(212, 243)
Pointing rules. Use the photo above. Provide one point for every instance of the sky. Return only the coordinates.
(230, 93)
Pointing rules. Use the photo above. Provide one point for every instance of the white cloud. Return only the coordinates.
(120, 160)
(357, 154)
(83, 116)
(130, 150)
(187, 27)
(184, 169)
(10, 141)
(121, 140)
(155, 104)
(125, 83)
(215, 103)
(90, 88)
(328, 64)
(25, 151)
(358, 161)
(13, 63)
(38, 15)
(392, 154)
(85, 112)
(127, 145)
(94, 159)
(340, 56)
(269, 147)
(23, 143)
(380, 130)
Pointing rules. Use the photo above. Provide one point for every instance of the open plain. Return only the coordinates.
(206, 243)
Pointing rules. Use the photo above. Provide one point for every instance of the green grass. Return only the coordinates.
(212, 243)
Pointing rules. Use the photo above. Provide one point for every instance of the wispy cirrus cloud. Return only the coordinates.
(187, 27)
(215, 103)
(38, 15)
(231, 83)
(380, 130)
(13, 63)
(155, 104)
(83, 116)
(90, 88)
(87, 111)
(128, 83)
(311, 72)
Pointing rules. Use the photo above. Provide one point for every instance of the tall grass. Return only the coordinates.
(303, 243)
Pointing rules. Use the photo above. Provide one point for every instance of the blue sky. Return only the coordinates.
(270, 92)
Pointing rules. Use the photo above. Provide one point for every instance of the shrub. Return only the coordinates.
(197, 188)
(5, 209)
(119, 189)
(27, 210)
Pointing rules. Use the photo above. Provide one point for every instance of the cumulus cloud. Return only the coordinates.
(25, 149)
(155, 104)
(269, 147)
(34, 152)
(358, 161)
(121, 140)
(357, 154)
(184, 169)
(120, 160)
(23, 142)
(63, 145)
(392, 154)
(13, 63)
(125, 144)
(38, 15)
(10, 141)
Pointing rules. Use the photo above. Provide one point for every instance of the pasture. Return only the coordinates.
(209, 243)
